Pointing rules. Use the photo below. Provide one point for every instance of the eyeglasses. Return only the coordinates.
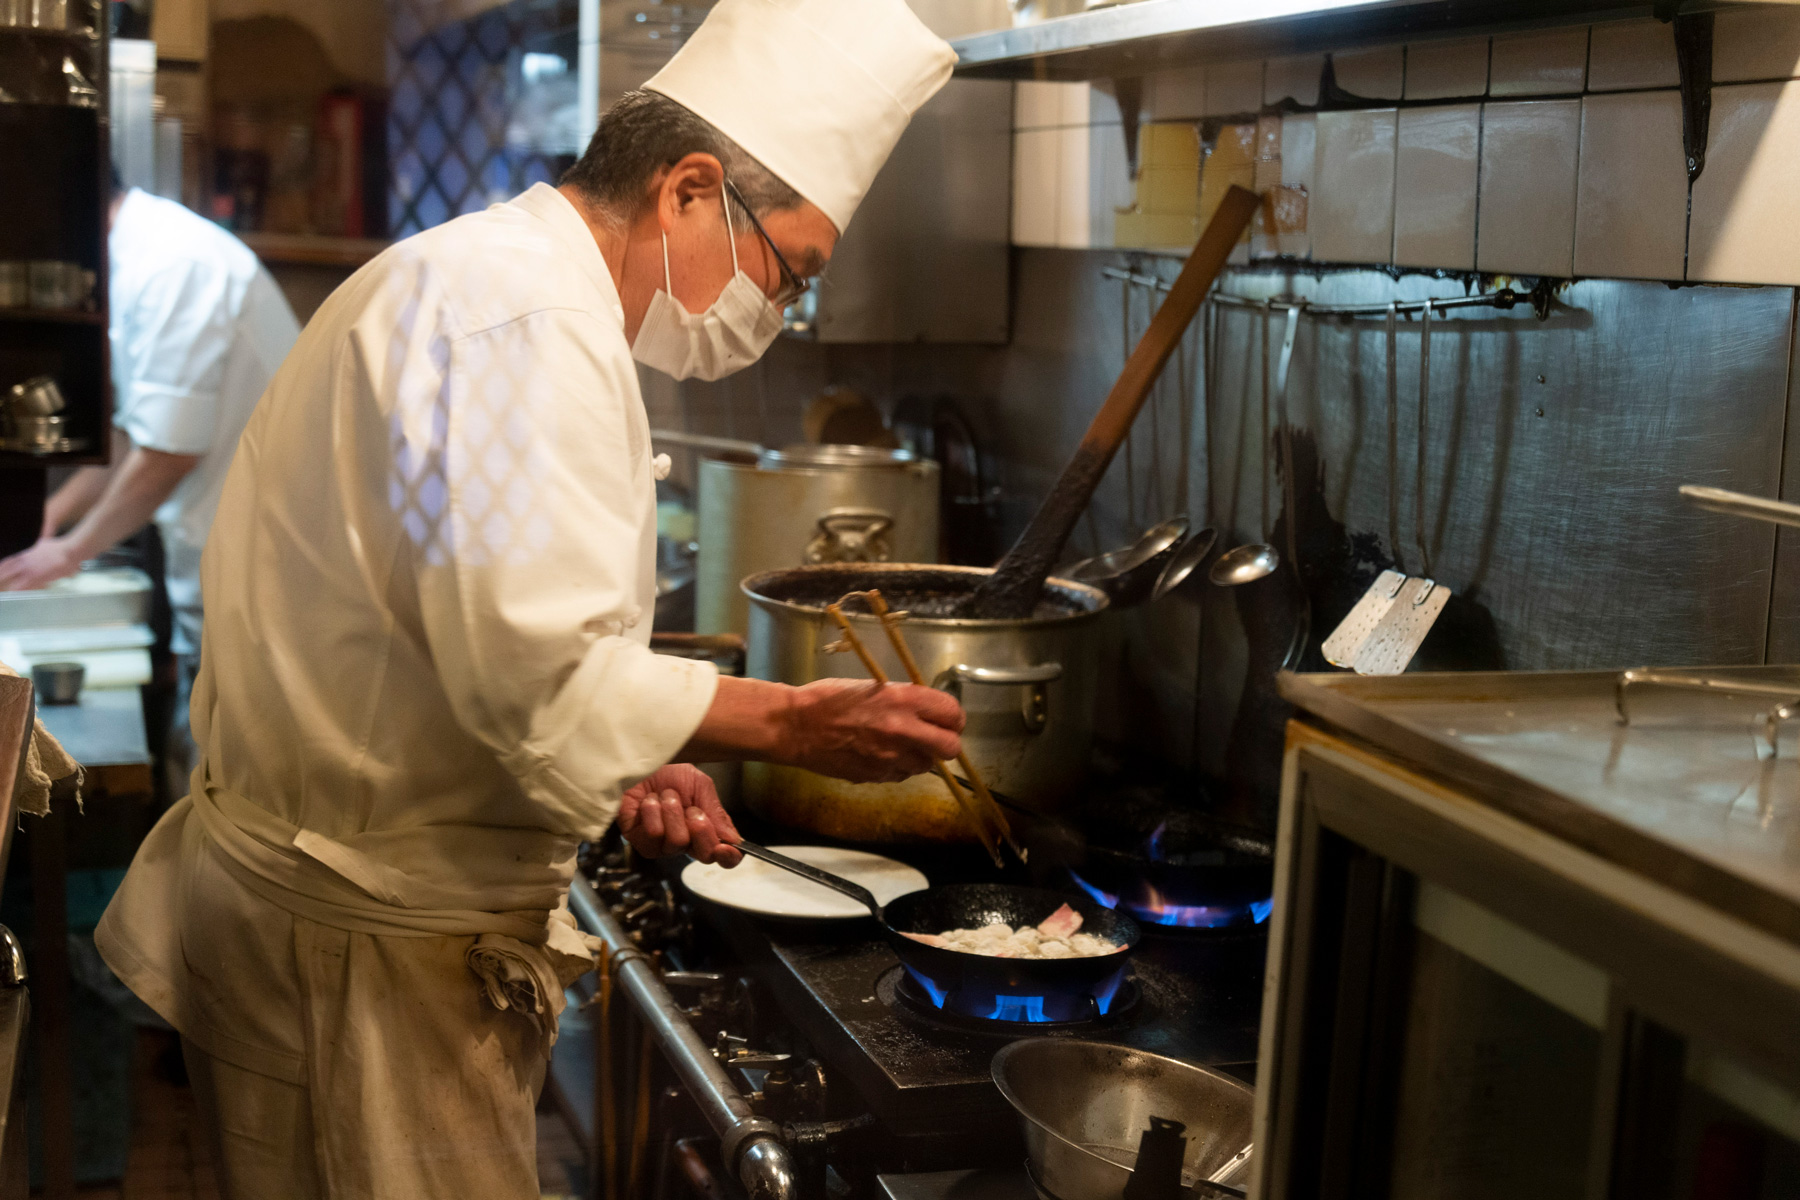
(793, 286)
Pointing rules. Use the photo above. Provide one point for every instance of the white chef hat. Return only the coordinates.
(818, 91)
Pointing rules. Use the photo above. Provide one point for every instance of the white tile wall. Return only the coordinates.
(1437, 167)
(1632, 54)
(1374, 74)
(1175, 95)
(1539, 64)
(1593, 187)
(1039, 105)
(1529, 152)
(1743, 228)
(1756, 43)
(1295, 78)
(1631, 206)
(1233, 88)
(1100, 106)
(1109, 182)
(1447, 70)
(1035, 185)
(1299, 150)
(1351, 216)
(1073, 183)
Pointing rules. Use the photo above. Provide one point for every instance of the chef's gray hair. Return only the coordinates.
(646, 131)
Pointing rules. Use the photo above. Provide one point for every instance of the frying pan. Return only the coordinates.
(1041, 989)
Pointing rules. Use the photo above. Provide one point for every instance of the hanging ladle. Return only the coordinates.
(1254, 560)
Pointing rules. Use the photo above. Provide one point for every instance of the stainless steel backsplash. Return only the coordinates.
(1554, 450)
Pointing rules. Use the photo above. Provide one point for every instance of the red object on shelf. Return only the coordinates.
(338, 209)
(1730, 1165)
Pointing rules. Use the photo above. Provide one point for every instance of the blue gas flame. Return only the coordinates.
(1105, 898)
(938, 995)
(1018, 1008)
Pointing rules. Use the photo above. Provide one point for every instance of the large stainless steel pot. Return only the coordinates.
(1028, 687)
(807, 504)
(1085, 1105)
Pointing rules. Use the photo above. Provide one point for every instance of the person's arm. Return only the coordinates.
(82, 490)
(133, 491)
(522, 475)
(847, 728)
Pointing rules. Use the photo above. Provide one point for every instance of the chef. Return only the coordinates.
(425, 676)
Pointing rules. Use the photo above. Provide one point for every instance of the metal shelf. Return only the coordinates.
(1130, 39)
(53, 316)
(60, 35)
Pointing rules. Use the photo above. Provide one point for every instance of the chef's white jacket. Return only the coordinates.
(425, 675)
(198, 327)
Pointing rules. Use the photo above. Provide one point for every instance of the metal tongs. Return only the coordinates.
(983, 811)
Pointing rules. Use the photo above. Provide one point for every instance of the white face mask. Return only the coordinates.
(727, 337)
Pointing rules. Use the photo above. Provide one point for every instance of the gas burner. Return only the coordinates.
(1016, 1016)
(1159, 911)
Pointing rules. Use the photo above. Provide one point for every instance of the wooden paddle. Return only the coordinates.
(1012, 591)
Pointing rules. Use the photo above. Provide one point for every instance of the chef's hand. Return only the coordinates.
(677, 811)
(46, 561)
(872, 733)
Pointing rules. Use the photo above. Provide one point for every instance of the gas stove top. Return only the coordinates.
(926, 1077)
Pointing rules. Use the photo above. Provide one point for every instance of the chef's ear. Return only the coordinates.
(697, 177)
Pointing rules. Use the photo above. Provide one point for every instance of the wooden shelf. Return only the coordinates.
(55, 35)
(53, 316)
(311, 250)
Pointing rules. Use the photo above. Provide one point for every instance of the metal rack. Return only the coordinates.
(1538, 298)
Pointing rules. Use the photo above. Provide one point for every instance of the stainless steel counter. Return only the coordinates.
(105, 728)
(1685, 793)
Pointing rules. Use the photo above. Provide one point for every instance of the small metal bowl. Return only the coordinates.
(58, 682)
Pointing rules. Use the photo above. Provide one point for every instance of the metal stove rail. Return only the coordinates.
(751, 1146)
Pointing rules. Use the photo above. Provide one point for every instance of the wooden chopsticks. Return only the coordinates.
(984, 813)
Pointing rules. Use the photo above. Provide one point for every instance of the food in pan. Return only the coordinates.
(1056, 936)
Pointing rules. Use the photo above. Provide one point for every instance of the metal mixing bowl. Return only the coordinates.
(1086, 1104)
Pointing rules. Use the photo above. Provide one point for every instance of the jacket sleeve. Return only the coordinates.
(176, 332)
(526, 505)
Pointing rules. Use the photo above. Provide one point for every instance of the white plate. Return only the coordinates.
(756, 887)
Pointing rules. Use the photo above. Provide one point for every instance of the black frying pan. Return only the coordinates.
(1014, 987)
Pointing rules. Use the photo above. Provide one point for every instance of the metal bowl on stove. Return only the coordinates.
(1084, 1106)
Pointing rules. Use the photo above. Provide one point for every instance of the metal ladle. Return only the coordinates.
(1254, 560)
(1129, 574)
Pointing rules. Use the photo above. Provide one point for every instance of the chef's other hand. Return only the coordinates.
(44, 562)
(676, 811)
(870, 732)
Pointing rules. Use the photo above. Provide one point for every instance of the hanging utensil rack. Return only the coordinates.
(1539, 299)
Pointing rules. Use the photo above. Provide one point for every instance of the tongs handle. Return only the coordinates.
(1740, 504)
(989, 810)
(836, 883)
(963, 800)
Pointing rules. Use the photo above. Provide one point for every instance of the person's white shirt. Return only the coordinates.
(426, 676)
(198, 329)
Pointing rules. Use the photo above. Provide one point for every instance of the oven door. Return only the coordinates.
(1462, 1008)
